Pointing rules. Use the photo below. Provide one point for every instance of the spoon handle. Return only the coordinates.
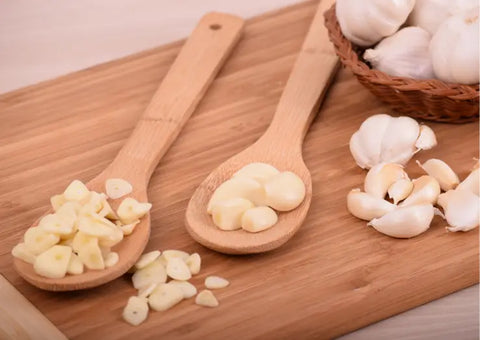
(195, 67)
(312, 73)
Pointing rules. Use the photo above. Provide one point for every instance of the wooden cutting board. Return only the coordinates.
(334, 276)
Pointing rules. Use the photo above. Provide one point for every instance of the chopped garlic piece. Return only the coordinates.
(164, 297)
(130, 210)
(136, 310)
(111, 259)
(53, 263)
(117, 187)
(187, 288)
(76, 191)
(20, 251)
(206, 298)
(178, 270)
(146, 259)
(216, 282)
(194, 263)
(153, 273)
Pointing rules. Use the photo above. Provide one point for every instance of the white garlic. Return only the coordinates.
(455, 49)
(461, 209)
(405, 222)
(367, 207)
(471, 183)
(429, 14)
(400, 190)
(403, 54)
(385, 139)
(426, 140)
(366, 22)
(425, 190)
(440, 170)
(380, 177)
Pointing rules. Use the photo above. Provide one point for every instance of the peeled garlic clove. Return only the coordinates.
(461, 209)
(400, 190)
(367, 207)
(427, 139)
(117, 187)
(258, 219)
(471, 183)
(405, 222)
(440, 170)
(380, 177)
(238, 187)
(261, 172)
(216, 282)
(136, 310)
(206, 298)
(227, 215)
(425, 190)
(285, 191)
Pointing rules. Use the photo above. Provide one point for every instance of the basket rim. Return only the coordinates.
(348, 54)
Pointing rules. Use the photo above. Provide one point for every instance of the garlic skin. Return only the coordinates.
(440, 170)
(405, 222)
(385, 139)
(471, 183)
(461, 209)
(380, 177)
(425, 190)
(429, 14)
(454, 49)
(368, 21)
(367, 207)
(403, 54)
(400, 190)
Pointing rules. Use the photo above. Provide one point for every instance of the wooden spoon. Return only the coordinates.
(173, 103)
(280, 146)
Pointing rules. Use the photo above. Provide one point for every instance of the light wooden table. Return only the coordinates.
(43, 40)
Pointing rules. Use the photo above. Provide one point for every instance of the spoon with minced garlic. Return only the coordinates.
(190, 75)
(280, 146)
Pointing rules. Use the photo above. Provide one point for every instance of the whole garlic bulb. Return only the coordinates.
(386, 139)
(366, 22)
(429, 14)
(403, 54)
(455, 49)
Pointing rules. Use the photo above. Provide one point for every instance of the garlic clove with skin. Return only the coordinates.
(398, 145)
(405, 222)
(367, 207)
(427, 139)
(380, 177)
(471, 183)
(440, 170)
(461, 209)
(400, 190)
(425, 190)
(403, 54)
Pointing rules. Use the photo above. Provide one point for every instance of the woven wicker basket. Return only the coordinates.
(425, 99)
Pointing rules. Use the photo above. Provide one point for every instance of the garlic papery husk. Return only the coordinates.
(440, 170)
(454, 49)
(405, 222)
(403, 54)
(400, 190)
(385, 139)
(425, 190)
(427, 139)
(471, 183)
(381, 176)
(367, 207)
(461, 209)
(429, 14)
(368, 21)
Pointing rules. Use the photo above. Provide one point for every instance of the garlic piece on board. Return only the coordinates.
(194, 263)
(238, 187)
(385, 139)
(258, 219)
(403, 54)
(427, 139)
(380, 177)
(177, 269)
(455, 48)
(471, 183)
(216, 282)
(117, 187)
(284, 191)
(400, 190)
(366, 22)
(425, 190)
(187, 288)
(440, 170)
(136, 310)
(164, 297)
(405, 222)
(153, 273)
(206, 298)
(261, 172)
(461, 209)
(146, 259)
(227, 215)
(367, 207)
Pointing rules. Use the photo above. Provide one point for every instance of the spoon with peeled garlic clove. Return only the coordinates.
(193, 70)
(280, 146)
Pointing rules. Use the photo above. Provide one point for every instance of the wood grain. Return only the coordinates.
(20, 320)
(311, 75)
(334, 276)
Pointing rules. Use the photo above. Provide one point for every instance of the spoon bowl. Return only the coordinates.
(280, 146)
(193, 70)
